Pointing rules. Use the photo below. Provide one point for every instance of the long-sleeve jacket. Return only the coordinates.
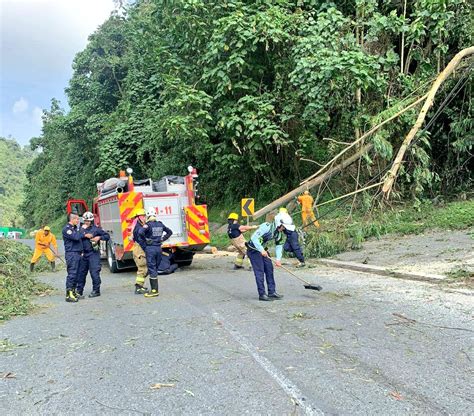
(306, 202)
(72, 238)
(96, 232)
(43, 241)
(137, 237)
(265, 233)
(153, 231)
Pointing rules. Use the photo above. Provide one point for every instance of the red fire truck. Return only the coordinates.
(174, 200)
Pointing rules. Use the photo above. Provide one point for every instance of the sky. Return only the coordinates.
(38, 42)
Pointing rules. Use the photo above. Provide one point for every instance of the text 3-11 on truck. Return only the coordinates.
(172, 197)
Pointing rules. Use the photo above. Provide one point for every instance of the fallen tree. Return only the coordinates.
(313, 182)
(330, 169)
(450, 68)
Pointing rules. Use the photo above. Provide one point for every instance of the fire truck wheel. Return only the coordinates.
(111, 260)
(183, 258)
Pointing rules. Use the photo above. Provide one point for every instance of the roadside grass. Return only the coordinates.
(337, 233)
(460, 273)
(16, 283)
(463, 275)
(221, 241)
(219, 213)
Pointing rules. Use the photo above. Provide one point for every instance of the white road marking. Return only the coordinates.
(287, 385)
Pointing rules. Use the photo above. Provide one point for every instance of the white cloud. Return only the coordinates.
(20, 106)
(44, 35)
(38, 116)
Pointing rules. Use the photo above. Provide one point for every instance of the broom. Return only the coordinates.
(307, 285)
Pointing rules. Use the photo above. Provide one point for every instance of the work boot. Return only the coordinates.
(70, 296)
(264, 298)
(53, 266)
(154, 289)
(152, 294)
(140, 290)
(275, 296)
(32, 267)
(301, 264)
(94, 294)
(78, 294)
(236, 267)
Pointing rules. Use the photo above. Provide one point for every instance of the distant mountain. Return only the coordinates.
(13, 162)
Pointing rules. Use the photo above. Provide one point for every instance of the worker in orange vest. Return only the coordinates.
(306, 201)
(44, 239)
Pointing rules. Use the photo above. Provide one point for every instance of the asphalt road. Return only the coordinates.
(365, 345)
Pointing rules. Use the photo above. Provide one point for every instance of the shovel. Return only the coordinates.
(62, 260)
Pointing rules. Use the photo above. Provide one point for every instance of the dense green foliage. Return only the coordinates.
(13, 162)
(16, 283)
(245, 89)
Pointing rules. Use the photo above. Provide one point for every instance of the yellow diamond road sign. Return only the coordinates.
(248, 207)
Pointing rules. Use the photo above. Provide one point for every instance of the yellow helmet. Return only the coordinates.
(283, 210)
(306, 192)
(139, 211)
(233, 216)
(46, 228)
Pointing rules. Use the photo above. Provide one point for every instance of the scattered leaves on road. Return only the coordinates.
(131, 341)
(158, 386)
(6, 345)
(396, 395)
(300, 315)
(189, 392)
(8, 375)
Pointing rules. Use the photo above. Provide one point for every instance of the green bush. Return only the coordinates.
(325, 244)
(16, 284)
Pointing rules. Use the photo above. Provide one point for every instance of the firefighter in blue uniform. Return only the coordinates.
(292, 244)
(73, 252)
(167, 266)
(90, 261)
(154, 233)
(259, 258)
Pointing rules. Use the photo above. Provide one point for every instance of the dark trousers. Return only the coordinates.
(263, 270)
(90, 262)
(166, 267)
(292, 245)
(170, 269)
(153, 260)
(73, 260)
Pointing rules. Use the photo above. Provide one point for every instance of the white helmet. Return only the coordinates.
(284, 219)
(151, 212)
(88, 216)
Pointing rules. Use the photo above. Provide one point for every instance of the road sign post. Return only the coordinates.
(248, 207)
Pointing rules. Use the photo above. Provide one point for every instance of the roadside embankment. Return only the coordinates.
(17, 285)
